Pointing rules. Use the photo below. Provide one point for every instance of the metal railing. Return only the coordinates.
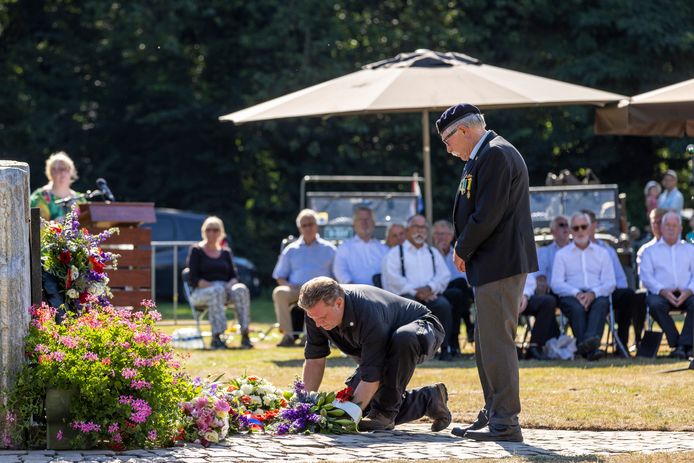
(175, 245)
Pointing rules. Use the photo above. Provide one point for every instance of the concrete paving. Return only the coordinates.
(407, 442)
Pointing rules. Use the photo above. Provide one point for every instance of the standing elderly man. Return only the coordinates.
(667, 271)
(359, 258)
(583, 278)
(496, 247)
(308, 257)
(388, 336)
(417, 271)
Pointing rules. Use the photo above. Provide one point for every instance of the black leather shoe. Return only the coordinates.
(678, 353)
(217, 342)
(437, 409)
(246, 341)
(587, 346)
(481, 421)
(287, 341)
(507, 434)
(597, 354)
(374, 421)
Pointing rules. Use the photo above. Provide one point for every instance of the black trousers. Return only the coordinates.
(459, 294)
(409, 346)
(585, 325)
(625, 304)
(442, 309)
(659, 310)
(545, 327)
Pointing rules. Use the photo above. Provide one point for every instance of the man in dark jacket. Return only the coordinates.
(388, 336)
(496, 247)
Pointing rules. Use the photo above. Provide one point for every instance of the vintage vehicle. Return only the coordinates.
(546, 202)
(393, 199)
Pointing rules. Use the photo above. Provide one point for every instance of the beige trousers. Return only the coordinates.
(284, 297)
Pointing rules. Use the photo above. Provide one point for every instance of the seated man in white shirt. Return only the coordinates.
(417, 271)
(667, 271)
(540, 306)
(624, 299)
(583, 278)
(458, 292)
(359, 258)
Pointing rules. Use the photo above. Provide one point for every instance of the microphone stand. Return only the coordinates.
(66, 203)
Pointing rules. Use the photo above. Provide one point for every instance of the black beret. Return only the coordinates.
(454, 114)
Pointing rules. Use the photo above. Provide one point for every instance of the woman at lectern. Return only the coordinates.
(61, 172)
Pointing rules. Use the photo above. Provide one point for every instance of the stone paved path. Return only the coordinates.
(408, 442)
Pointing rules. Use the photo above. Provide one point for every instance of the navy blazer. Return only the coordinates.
(494, 232)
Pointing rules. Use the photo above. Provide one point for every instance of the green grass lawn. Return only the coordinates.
(614, 393)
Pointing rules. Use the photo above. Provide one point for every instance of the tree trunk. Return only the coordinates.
(15, 278)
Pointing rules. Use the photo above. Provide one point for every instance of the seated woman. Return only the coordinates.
(214, 279)
(60, 172)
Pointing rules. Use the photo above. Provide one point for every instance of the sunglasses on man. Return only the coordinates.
(583, 226)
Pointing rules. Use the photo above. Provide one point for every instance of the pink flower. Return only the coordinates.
(57, 356)
(140, 384)
(59, 436)
(42, 348)
(113, 428)
(91, 356)
(129, 373)
(147, 303)
(68, 341)
(152, 435)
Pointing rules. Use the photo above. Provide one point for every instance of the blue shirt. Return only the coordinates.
(300, 262)
(671, 200)
(455, 273)
(477, 146)
(357, 261)
(545, 259)
(619, 274)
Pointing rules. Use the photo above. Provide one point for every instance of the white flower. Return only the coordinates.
(269, 399)
(72, 293)
(75, 272)
(72, 247)
(97, 289)
(247, 389)
(256, 400)
(211, 436)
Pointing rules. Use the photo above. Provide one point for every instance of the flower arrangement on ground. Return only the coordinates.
(310, 412)
(74, 258)
(125, 374)
(256, 402)
(207, 414)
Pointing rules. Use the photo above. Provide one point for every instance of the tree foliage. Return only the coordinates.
(132, 91)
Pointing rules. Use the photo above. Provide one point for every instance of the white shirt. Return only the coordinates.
(473, 153)
(671, 200)
(357, 261)
(419, 270)
(588, 269)
(667, 267)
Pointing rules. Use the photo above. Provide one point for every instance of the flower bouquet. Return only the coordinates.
(73, 258)
(310, 412)
(256, 402)
(125, 376)
(207, 415)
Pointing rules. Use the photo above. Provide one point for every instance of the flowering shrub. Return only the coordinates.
(72, 255)
(125, 374)
(207, 415)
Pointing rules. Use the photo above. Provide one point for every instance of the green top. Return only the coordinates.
(45, 201)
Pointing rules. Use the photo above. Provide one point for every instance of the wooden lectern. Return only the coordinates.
(132, 282)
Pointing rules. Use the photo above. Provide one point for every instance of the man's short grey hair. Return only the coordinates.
(360, 208)
(306, 213)
(393, 224)
(409, 221)
(556, 219)
(319, 289)
(445, 223)
(581, 215)
(473, 120)
(669, 214)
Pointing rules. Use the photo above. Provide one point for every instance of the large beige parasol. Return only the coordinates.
(423, 81)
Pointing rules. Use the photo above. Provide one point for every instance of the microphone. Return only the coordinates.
(101, 183)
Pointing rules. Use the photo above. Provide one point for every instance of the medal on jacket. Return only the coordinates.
(466, 186)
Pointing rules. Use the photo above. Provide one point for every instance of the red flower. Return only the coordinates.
(246, 400)
(56, 228)
(345, 395)
(97, 266)
(84, 297)
(65, 257)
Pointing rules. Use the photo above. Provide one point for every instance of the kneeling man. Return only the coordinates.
(388, 336)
